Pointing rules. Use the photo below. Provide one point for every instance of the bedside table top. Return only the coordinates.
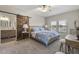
(24, 32)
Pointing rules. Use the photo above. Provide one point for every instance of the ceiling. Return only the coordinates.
(24, 9)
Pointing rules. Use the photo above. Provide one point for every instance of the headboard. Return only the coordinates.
(31, 27)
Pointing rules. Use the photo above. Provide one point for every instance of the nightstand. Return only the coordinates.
(25, 35)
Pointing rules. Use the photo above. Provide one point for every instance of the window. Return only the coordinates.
(60, 26)
(53, 25)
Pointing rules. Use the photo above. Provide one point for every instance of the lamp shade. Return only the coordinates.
(25, 26)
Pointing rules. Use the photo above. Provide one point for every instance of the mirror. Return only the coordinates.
(7, 21)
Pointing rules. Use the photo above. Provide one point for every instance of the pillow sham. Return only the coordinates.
(38, 29)
(42, 29)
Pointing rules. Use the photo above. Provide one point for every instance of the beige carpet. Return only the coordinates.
(28, 46)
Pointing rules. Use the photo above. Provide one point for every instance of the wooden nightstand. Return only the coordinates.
(25, 35)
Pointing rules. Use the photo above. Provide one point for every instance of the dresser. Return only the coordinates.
(8, 35)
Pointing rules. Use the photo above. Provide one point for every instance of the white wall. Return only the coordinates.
(35, 19)
(69, 16)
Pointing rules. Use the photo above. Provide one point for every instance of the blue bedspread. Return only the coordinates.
(46, 36)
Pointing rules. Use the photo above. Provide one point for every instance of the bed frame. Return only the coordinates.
(50, 42)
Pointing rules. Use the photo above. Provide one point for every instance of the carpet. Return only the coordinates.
(28, 46)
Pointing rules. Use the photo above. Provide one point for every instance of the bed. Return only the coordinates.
(44, 36)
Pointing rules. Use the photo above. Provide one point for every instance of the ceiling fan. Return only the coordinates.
(44, 8)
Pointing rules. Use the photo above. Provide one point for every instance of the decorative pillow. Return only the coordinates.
(41, 28)
(38, 28)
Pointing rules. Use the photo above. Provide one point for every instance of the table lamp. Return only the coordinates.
(25, 26)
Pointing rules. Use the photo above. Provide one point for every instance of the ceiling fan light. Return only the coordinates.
(43, 8)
